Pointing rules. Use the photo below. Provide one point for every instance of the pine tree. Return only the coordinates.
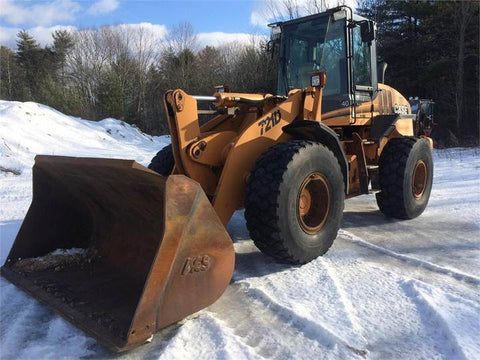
(62, 44)
(28, 58)
(425, 45)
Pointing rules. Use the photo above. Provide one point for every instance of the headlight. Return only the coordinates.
(315, 80)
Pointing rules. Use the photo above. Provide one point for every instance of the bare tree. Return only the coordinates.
(86, 63)
(277, 10)
(6, 60)
(182, 37)
(315, 6)
(145, 48)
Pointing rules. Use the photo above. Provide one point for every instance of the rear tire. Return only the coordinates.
(163, 162)
(405, 177)
(294, 201)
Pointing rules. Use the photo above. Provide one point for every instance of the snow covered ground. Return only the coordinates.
(387, 289)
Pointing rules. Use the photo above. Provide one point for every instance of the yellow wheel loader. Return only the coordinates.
(122, 250)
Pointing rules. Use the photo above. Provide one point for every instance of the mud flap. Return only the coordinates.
(148, 250)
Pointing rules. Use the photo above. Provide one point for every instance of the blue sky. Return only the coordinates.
(213, 21)
(205, 16)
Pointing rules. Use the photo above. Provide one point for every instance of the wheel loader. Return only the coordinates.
(122, 250)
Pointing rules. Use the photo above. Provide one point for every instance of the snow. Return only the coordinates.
(55, 259)
(68, 252)
(386, 289)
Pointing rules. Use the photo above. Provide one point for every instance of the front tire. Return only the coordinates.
(163, 162)
(405, 176)
(294, 201)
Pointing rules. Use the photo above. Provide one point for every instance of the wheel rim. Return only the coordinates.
(313, 203)
(419, 182)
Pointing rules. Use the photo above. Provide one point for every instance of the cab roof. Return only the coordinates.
(316, 16)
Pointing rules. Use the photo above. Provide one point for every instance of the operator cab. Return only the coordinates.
(336, 41)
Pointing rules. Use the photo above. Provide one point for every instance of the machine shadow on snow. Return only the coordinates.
(354, 219)
(359, 219)
(253, 263)
(372, 217)
(257, 264)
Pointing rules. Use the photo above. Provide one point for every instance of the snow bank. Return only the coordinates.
(28, 129)
(387, 289)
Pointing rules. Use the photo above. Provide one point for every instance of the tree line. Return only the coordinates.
(123, 72)
(432, 51)
(431, 47)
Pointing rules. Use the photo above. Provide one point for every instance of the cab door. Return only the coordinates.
(364, 77)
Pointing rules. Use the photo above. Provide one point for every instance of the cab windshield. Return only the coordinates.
(313, 45)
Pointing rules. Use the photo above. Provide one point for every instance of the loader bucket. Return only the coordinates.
(140, 251)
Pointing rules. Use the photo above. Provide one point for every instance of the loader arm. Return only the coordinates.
(220, 160)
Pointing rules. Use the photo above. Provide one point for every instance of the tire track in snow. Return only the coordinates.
(347, 304)
(275, 331)
(216, 324)
(455, 274)
(424, 299)
(256, 326)
(310, 328)
(200, 337)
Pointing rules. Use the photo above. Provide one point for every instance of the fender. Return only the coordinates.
(314, 130)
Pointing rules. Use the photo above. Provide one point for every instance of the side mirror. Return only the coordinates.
(271, 46)
(367, 31)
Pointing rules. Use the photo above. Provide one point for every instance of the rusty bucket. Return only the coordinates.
(117, 249)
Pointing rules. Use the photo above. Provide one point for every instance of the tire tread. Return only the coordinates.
(261, 197)
(163, 161)
(392, 164)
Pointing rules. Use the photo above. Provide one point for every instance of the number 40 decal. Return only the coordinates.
(269, 122)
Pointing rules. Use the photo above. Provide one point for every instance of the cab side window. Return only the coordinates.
(361, 60)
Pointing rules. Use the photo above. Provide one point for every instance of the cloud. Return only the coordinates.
(158, 31)
(268, 11)
(103, 7)
(155, 33)
(42, 14)
(42, 34)
(221, 38)
(257, 19)
(7, 36)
